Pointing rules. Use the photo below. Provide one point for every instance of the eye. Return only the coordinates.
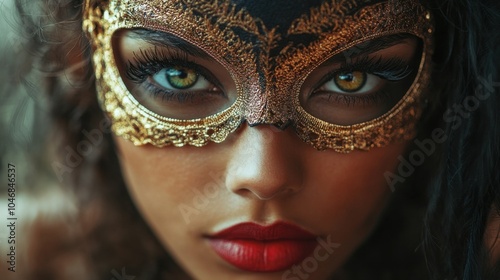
(176, 78)
(173, 83)
(350, 81)
(357, 82)
(179, 77)
(365, 87)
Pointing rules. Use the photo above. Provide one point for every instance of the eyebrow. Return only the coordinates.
(163, 39)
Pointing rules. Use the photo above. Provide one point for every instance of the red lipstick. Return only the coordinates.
(253, 247)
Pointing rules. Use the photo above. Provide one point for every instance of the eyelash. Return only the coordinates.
(149, 62)
(393, 69)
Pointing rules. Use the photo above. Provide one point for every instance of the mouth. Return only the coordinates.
(252, 247)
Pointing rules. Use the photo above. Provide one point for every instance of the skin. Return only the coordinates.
(265, 176)
(259, 174)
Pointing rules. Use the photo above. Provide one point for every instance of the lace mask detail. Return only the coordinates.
(268, 65)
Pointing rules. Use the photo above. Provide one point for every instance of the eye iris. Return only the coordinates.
(350, 81)
(181, 77)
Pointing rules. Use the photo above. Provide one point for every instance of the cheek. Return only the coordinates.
(165, 182)
(350, 190)
(162, 181)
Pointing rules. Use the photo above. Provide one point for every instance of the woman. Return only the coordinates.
(276, 140)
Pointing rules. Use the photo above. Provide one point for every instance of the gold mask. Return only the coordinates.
(269, 66)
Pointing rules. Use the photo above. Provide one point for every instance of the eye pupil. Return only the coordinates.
(350, 81)
(181, 77)
(348, 77)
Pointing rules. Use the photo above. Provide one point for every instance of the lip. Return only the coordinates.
(252, 247)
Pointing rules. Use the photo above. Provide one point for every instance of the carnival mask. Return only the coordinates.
(310, 65)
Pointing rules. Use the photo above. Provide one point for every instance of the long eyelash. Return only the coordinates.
(149, 62)
(393, 69)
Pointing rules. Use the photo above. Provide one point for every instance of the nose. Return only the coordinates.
(265, 163)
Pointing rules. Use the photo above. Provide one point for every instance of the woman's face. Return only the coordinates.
(262, 204)
(259, 175)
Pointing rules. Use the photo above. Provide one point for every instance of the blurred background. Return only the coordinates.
(39, 199)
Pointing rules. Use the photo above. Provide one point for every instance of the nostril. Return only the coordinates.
(263, 195)
(248, 193)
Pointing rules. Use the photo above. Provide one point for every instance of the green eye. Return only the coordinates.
(181, 77)
(350, 81)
